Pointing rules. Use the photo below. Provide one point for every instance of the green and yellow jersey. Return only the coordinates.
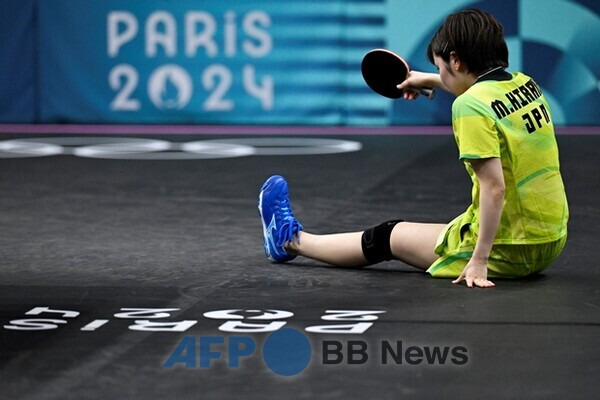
(510, 119)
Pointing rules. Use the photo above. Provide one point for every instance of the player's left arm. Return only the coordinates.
(491, 200)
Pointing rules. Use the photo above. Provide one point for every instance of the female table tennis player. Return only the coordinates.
(516, 224)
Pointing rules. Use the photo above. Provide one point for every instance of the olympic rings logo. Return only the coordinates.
(123, 148)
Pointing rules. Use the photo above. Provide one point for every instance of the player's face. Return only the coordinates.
(453, 75)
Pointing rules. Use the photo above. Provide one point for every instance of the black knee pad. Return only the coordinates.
(376, 242)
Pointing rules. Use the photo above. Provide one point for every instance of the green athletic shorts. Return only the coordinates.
(455, 247)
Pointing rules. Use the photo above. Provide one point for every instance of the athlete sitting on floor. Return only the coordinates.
(517, 222)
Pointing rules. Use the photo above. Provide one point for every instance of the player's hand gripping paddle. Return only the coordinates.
(383, 70)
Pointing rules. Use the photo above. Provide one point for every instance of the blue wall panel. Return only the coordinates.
(17, 65)
(267, 61)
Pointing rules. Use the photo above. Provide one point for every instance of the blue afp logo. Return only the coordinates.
(287, 352)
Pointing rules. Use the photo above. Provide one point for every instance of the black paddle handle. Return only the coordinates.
(427, 92)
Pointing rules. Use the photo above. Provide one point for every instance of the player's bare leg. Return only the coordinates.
(412, 243)
(341, 249)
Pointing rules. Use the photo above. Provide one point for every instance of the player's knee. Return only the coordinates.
(376, 242)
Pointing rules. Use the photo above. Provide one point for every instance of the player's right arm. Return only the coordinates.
(417, 80)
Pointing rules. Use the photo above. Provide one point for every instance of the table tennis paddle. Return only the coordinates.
(383, 70)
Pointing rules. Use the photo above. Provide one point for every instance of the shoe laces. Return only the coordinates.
(288, 224)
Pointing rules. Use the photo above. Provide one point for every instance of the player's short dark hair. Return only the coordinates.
(476, 37)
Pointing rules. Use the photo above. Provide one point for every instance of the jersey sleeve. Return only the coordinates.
(474, 129)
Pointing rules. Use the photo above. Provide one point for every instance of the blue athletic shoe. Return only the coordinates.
(279, 224)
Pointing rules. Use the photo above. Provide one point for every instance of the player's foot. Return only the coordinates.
(279, 224)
